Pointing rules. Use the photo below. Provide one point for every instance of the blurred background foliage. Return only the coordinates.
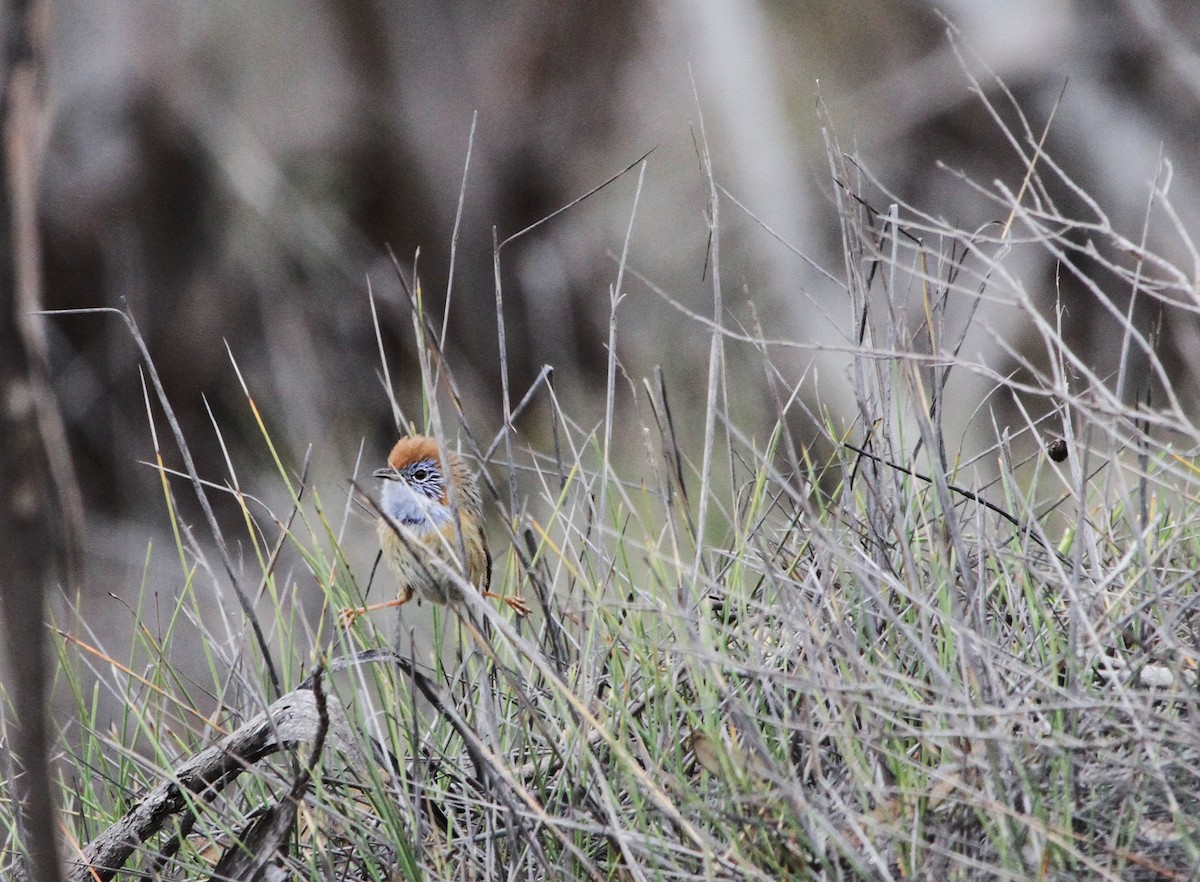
(235, 175)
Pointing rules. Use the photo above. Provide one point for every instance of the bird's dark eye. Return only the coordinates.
(420, 475)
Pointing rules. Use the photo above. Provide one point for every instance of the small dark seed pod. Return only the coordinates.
(1057, 450)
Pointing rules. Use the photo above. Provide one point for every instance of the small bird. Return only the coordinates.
(421, 495)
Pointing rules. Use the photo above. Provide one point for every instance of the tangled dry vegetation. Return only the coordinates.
(843, 648)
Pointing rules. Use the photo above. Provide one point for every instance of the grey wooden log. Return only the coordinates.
(292, 720)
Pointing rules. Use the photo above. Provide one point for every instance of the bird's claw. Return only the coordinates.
(347, 615)
(515, 601)
(519, 605)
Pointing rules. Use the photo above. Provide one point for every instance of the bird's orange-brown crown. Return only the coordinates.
(413, 449)
(457, 478)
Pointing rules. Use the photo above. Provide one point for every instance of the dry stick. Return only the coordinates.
(673, 501)
(592, 192)
(397, 416)
(247, 858)
(675, 460)
(1136, 287)
(294, 718)
(558, 460)
(716, 352)
(1032, 163)
(962, 491)
(555, 641)
(458, 213)
(610, 381)
(544, 376)
(505, 400)
(427, 341)
(197, 484)
(251, 851)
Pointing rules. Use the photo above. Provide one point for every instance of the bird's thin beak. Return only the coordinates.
(387, 474)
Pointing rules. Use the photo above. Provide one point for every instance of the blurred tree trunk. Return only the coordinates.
(28, 423)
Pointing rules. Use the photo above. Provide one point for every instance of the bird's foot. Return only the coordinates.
(518, 603)
(347, 615)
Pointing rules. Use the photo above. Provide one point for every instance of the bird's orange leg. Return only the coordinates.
(516, 601)
(347, 615)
